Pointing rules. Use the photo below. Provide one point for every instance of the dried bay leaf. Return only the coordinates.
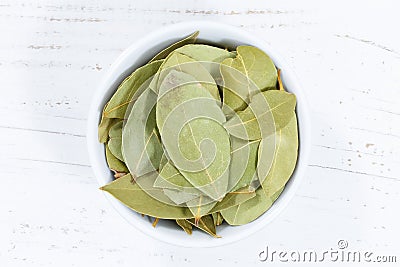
(243, 162)
(271, 187)
(115, 140)
(146, 183)
(249, 210)
(179, 197)
(258, 74)
(163, 161)
(185, 225)
(104, 126)
(268, 112)
(277, 194)
(114, 163)
(171, 178)
(200, 206)
(194, 70)
(187, 40)
(232, 199)
(285, 158)
(206, 224)
(201, 52)
(179, 190)
(217, 218)
(175, 185)
(258, 66)
(213, 179)
(282, 105)
(208, 56)
(236, 88)
(141, 147)
(183, 126)
(127, 91)
(131, 195)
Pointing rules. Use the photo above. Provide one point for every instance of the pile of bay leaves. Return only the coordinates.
(201, 135)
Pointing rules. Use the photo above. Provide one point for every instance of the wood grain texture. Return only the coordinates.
(52, 56)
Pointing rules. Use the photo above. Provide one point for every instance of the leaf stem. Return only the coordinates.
(155, 222)
(280, 81)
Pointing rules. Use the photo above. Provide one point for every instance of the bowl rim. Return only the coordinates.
(123, 65)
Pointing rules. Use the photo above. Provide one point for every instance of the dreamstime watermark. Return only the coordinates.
(340, 254)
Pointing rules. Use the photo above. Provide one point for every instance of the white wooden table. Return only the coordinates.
(52, 56)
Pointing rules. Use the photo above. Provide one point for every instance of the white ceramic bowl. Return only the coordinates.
(137, 55)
